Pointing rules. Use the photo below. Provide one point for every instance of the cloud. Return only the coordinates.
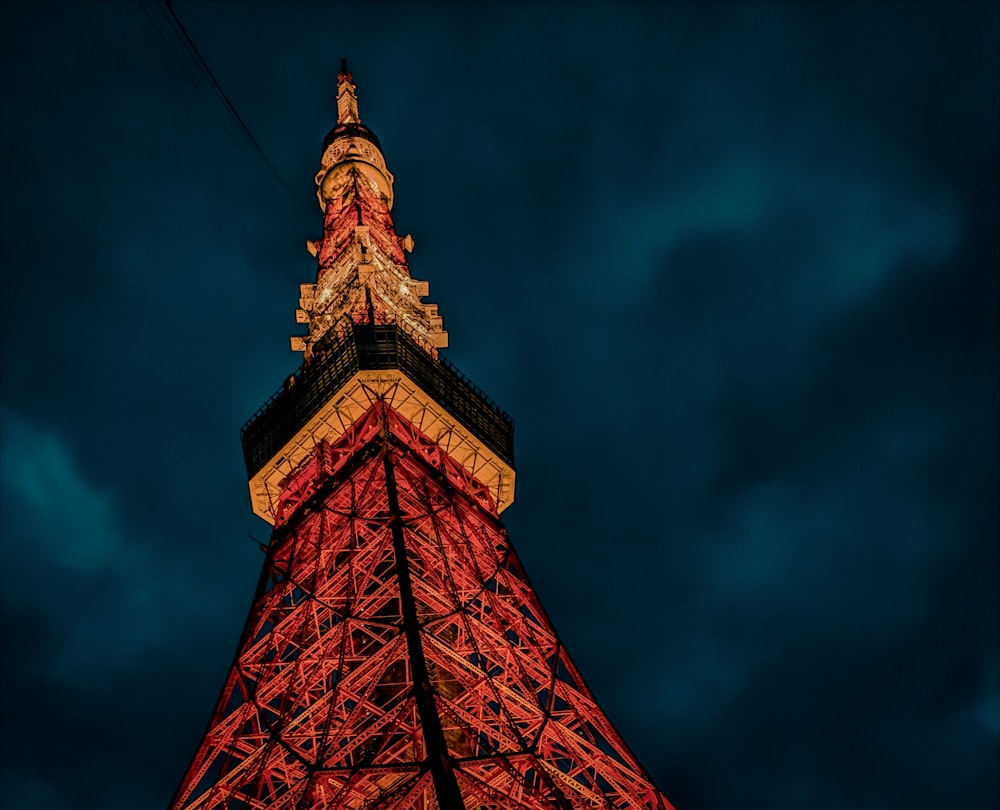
(29, 791)
(52, 513)
(72, 578)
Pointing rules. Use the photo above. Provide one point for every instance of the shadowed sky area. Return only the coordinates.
(732, 268)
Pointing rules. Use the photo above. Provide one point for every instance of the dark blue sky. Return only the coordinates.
(731, 267)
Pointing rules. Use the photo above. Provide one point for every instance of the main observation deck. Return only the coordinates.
(346, 374)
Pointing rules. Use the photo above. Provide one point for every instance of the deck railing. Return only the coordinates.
(336, 359)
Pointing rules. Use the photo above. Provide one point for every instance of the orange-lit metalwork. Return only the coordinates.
(395, 655)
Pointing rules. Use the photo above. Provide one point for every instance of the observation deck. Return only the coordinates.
(346, 375)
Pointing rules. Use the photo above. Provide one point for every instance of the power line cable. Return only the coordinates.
(207, 71)
(181, 449)
(180, 61)
(192, 77)
(166, 43)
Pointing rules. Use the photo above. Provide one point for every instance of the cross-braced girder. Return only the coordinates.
(396, 656)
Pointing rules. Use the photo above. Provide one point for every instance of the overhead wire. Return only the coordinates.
(178, 59)
(180, 450)
(207, 72)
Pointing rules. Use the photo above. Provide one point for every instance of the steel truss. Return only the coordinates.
(395, 655)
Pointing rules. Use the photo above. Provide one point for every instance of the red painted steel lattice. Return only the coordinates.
(395, 655)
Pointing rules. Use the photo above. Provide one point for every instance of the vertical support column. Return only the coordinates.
(449, 795)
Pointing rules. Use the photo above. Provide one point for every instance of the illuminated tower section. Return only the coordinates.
(395, 655)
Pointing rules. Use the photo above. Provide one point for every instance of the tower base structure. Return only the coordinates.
(395, 655)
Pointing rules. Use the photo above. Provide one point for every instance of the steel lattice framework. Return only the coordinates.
(395, 655)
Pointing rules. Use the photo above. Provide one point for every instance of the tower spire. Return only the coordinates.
(349, 146)
(347, 98)
(362, 273)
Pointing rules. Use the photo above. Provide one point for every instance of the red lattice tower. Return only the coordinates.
(395, 655)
